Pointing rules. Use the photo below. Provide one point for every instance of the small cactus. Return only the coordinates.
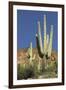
(30, 53)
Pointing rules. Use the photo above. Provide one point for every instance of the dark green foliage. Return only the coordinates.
(51, 70)
(27, 72)
(24, 73)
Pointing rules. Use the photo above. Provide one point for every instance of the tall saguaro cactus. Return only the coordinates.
(47, 48)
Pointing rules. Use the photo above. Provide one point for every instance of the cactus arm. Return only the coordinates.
(47, 42)
(38, 47)
(50, 43)
(39, 37)
(45, 46)
(31, 50)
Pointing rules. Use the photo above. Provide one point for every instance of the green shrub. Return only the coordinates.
(27, 72)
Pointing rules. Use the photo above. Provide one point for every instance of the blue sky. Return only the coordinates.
(27, 27)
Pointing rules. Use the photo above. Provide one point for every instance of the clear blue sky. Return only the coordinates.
(27, 27)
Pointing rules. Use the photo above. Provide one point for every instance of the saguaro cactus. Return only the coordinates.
(47, 48)
(30, 53)
(41, 49)
(44, 50)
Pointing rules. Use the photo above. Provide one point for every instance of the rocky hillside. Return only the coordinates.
(22, 55)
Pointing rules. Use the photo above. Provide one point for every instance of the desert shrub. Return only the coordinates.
(52, 69)
(20, 72)
(30, 71)
(35, 67)
(25, 72)
(56, 66)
